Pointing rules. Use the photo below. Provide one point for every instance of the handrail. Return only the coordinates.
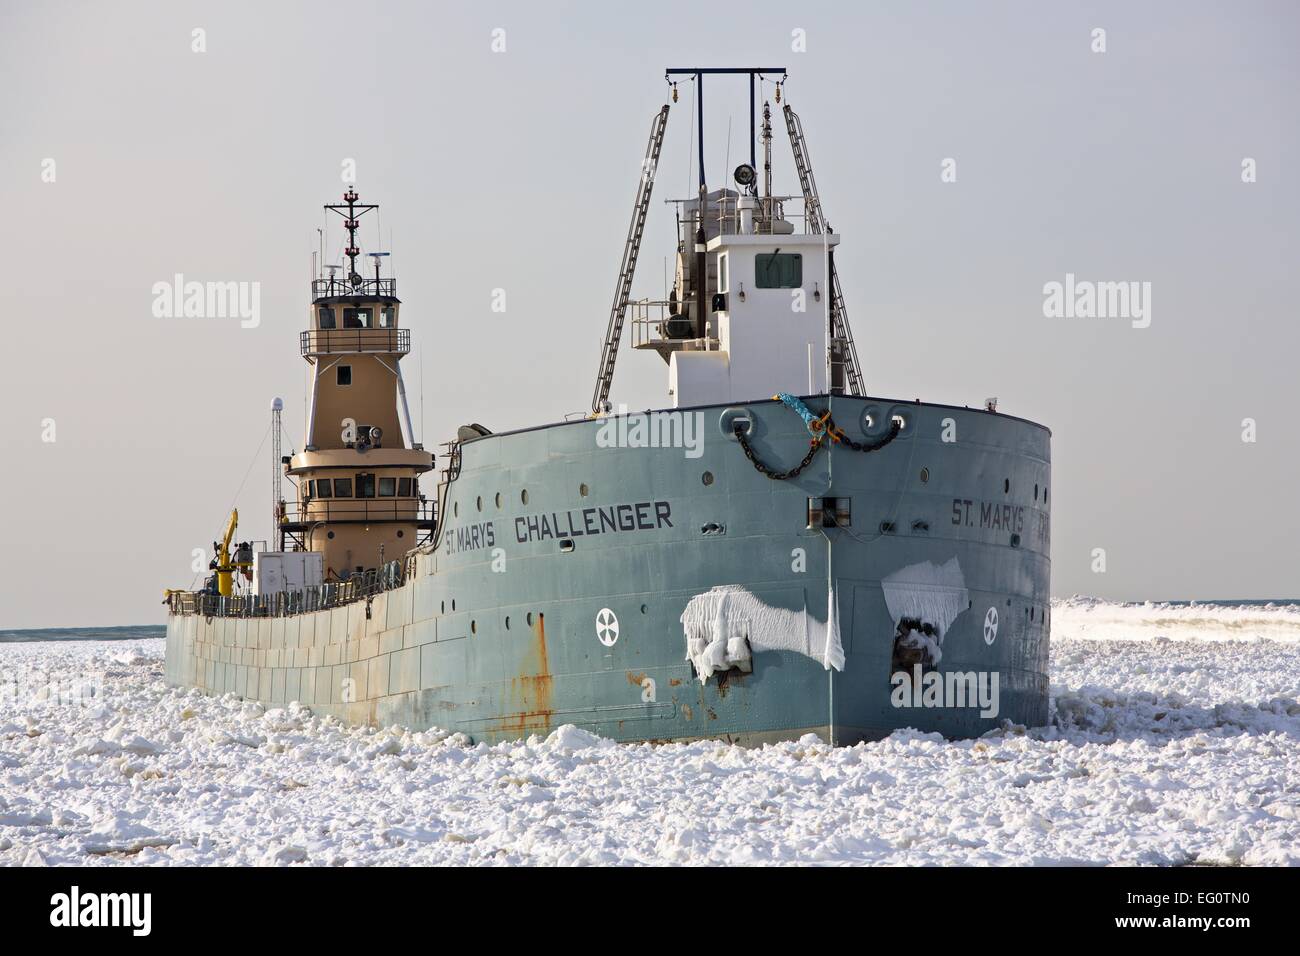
(334, 286)
(334, 341)
(359, 509)
(362, 586)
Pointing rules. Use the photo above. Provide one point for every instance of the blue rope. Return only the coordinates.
(794, 403)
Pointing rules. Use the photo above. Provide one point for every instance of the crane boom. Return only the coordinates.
(841, 334)
(627, 269)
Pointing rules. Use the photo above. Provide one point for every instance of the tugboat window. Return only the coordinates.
(342, 487)
(326, 318)
(778, 270)
(323, 488)
(403, 487)
(722, 272)
(385, 318)
(356, 318)
(365, 486)
(387, 487)
(344, 374)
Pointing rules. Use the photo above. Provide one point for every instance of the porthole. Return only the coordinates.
(707, 478)
(583, 489)
(455, 508)
(507, 622)
(330, 535)
(925, 475)
(498, 499)
(401, 533)
(1006, 486)
(443, 608)
(478, 503)
(473, 627)
(1044, 496)
(643, 608)
(529, 618)
(523, 496)
(1035, 491)
(453, 604)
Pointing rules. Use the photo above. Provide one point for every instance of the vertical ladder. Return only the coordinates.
(841, 333)
(631, 249)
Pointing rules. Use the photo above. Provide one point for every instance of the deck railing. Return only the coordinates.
(360, 509)
(334, 341)
(334, 286)
(359, 587)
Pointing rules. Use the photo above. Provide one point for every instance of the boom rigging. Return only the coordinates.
(631, 250)
(841, 334)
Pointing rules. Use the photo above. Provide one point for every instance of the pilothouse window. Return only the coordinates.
(326, 318)
(365, 486)
(387, 487)
(386, 319)
(342, 487)
(323, 488)
(356, 318)
(778, 270)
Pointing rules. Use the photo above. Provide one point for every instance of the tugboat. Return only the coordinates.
(773, 552)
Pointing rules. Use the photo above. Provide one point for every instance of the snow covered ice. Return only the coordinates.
(1173, 740)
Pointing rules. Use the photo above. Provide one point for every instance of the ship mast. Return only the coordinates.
(352, 213)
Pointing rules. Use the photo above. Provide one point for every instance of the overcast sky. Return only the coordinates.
(515, 170)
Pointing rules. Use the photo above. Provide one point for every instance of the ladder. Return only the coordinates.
(631, 250)
(841, 334)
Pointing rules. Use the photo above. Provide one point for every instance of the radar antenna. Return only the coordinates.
(351, 213)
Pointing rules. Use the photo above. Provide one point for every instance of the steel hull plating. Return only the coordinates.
(550, 539)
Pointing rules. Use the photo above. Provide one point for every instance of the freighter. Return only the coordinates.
(773, 552)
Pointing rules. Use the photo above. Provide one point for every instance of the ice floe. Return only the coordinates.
(1174, 739)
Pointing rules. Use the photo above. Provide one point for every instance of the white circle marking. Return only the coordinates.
(606, 627)
(991, 625)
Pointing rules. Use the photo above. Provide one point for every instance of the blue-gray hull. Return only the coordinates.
(572, 565)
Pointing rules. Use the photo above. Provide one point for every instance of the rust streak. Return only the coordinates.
(531, 690)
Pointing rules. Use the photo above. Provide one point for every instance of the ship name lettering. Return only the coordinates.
(638, 516)
(471, 537)
(992, 516)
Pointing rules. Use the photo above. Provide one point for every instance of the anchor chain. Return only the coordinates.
(764, 469)
(821, 428)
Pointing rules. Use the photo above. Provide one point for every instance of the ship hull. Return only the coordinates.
(575, 562)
